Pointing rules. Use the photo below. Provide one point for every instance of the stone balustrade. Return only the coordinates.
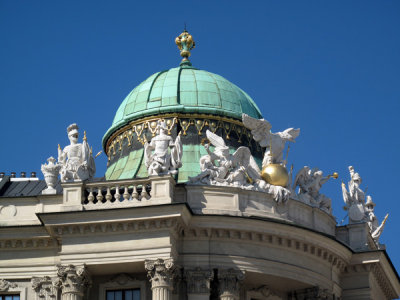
(117, 192)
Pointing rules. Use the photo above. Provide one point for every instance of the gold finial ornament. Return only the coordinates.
(275, 174)
(335, 175)
(84, 136)
(59, 147)
(185, 43)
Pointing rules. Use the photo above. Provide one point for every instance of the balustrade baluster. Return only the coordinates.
(91, 196)
(126, 194)
(117, 194)
(108, 195)
(99, 195)
(145, 194)
(135, 194)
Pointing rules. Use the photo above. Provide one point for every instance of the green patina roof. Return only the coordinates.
(183, 90)
(178, 90)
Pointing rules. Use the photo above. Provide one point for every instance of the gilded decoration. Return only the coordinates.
(137, 129)
(185, 44)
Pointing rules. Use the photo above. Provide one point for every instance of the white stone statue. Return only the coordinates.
(239, 169)
(310, 182)
(354, 198)
(158, 158)
(50, 172)
(274, 142)
(76, 160)
(374, 228)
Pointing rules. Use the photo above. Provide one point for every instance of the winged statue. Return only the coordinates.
(274, 142)
(220, 167)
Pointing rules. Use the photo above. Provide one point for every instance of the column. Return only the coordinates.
(161, 274)
(198, 283)
(229, 283)
(74, 282)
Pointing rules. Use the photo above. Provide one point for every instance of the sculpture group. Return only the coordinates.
(309, 182)
(221, 167)
(273, 142)
(75, 162)
(163, 155)
(357, 209)
(239, 169)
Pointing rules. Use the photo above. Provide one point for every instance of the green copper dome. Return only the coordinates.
(184, 90)
(191, 101)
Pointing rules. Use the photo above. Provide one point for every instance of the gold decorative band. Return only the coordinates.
(199, 121)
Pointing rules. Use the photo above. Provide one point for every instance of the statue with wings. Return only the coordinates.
(274, 142)
(220, 167)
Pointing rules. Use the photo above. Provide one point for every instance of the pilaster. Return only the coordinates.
(198, 283)
(229, 283)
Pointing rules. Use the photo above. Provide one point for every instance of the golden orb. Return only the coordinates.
(275, 174)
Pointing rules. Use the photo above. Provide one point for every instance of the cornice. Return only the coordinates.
(378, 272)
(26, 243)
(292, 244)
(117, 227)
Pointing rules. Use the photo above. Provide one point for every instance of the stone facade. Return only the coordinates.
(175, 242)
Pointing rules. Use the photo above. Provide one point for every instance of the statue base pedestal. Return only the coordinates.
(49, 191)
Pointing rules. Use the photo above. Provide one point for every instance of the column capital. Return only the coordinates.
(160, 272)
(198, 280)
(229, 283)
(73, 279)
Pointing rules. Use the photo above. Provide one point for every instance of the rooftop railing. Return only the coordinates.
(117, 192)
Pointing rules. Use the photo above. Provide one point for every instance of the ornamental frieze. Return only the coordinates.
(142, 130)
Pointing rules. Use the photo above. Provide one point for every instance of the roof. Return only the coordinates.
(183, 90)
(26, 188)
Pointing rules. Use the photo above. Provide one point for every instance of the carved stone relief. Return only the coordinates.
(45, 288)
(6, 285)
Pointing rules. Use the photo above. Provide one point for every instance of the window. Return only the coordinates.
(131, 294)
(10, 297)
(122, 287)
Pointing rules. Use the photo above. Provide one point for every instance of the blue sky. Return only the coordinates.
(330, 68)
